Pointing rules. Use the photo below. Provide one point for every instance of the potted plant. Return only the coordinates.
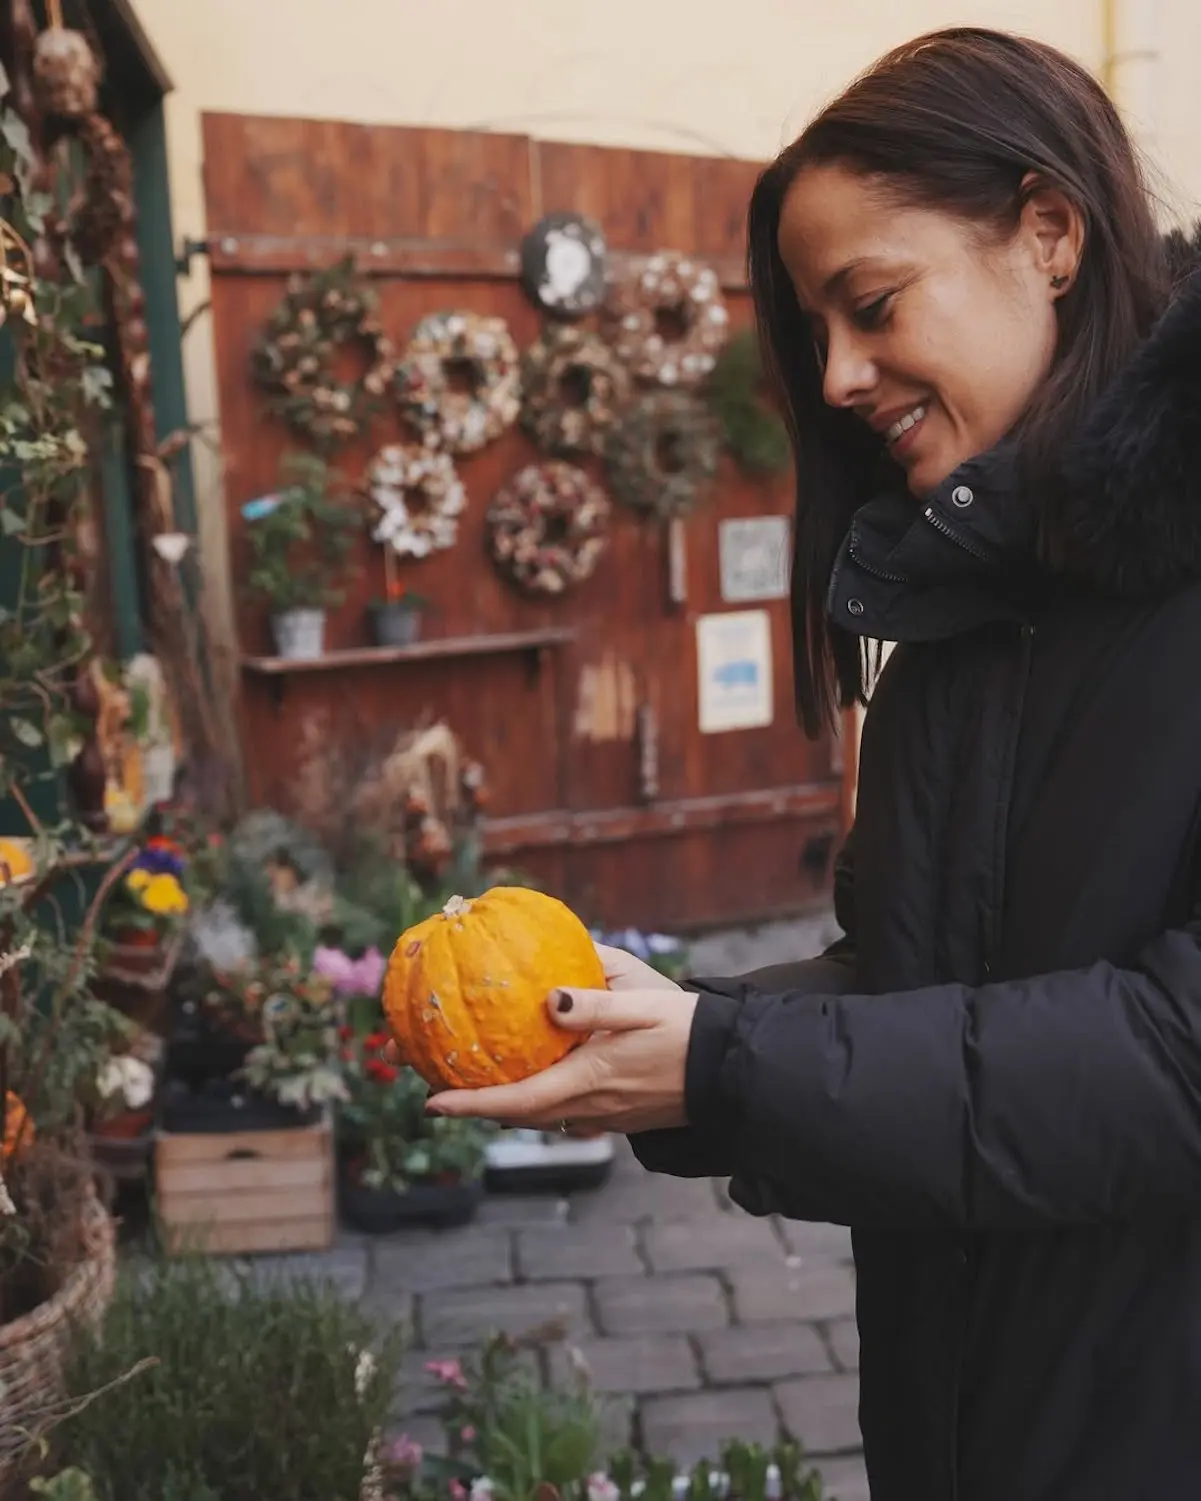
(269, 1032)
(146, 909)
(398, 1166)
(396, 618)
(121, 1116)
(299, 540)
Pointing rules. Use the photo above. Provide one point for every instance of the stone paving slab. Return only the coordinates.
(844, 1342)
(636, 1365)
(637, 1196)
(813, 1293)
(660, 1305)
(464, 1316)
(762, 1352)
(712, 1244)
(419, 1262)
(585, 1251)
(822, 1412)
(846, 1480)
(816, 1242)
(695, 1427)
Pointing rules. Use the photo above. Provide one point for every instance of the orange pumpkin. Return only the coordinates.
(18, 1128)
(465, 992)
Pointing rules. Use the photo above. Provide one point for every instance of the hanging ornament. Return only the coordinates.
(666, 319)
(66, 75)
(460, 381)
(548, 526)
(293, 362)
(572, 388)
(563, 262)
(663, 453)
(419, 496)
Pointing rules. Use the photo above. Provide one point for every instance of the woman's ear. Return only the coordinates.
(1052, 228)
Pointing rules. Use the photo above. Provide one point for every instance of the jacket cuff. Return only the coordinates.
(713, 1026)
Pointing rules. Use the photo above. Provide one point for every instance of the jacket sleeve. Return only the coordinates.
(694, 1151)
(1063, 1099)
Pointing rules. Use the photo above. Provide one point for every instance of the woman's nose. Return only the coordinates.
(849, 373)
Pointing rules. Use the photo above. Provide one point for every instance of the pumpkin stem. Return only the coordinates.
(456, 907)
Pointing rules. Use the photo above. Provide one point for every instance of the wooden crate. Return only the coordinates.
(247, 1191)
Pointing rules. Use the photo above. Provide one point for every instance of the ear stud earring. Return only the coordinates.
(1059, 282)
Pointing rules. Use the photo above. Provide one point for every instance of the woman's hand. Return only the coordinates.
(624, 972)
(627, 1076)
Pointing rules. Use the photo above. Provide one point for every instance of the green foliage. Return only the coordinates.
(501, 1422)
(754, 434)
(261, 1390)
(298, 547)
(68, 1485)
(384, 1129)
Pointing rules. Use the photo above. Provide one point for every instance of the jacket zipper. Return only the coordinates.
(879, 573)
(947, 530)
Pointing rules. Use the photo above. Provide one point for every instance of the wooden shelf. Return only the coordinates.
(276, 669)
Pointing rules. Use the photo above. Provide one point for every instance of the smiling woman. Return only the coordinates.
(994, 398)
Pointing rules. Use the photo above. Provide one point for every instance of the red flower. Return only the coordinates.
(381, 1072)
(376, 1040)
(345, 1033)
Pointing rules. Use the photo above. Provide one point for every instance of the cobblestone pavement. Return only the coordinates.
(699, 1322)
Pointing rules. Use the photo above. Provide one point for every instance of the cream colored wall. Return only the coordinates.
(689, 75)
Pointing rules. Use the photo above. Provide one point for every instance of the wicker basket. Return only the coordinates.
(32, 1348)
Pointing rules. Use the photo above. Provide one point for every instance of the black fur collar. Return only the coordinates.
(1133, 474)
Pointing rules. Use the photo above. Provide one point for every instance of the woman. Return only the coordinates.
(995, 404)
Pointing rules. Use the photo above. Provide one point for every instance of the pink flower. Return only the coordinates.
(362, 976)
(468, 1434)
(448, 1372)
(458, 1490)
(601, 1488)
(404, 1452)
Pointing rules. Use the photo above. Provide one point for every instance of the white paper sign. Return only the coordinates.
(754, 558)
(733, 657)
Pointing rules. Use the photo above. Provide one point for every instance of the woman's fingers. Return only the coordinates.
(624, 972)
(540, 1098)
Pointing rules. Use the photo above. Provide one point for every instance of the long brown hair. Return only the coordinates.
(953, 121)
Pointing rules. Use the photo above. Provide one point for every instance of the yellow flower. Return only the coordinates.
(138, 880)
(163, 894)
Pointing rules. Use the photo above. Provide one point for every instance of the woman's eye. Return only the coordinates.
(873, 314)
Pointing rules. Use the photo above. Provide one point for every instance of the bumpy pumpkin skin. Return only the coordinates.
(465, 992)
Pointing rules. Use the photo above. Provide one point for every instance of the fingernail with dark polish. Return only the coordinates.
(563, 1001)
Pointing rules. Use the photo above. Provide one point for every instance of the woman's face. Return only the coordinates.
(932, 334)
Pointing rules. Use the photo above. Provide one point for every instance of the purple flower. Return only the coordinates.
(159, 862)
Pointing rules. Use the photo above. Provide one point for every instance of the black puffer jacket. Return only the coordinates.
(996, 1079)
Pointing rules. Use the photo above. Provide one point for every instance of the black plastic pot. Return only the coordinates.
(380, 1211)
(223, 1106)
(395, 624)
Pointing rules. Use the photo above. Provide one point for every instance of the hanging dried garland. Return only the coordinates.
(666, 319)
(663, 453)
(754, 433)
(572, 388)
(419, 496)
(460, 381)
(293, 362)
(547, 527)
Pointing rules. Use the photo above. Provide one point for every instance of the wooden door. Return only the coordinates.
(568, 704)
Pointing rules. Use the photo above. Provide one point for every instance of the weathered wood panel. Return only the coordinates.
(439, 216)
